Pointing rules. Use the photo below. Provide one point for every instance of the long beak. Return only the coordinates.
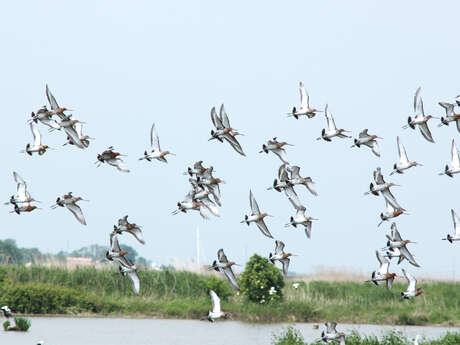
(53, 206)
(212, 138)
(287, 225)
(261, 151)
(269, 215)
(435, 117)
(405, 127)
(319, 138)
(441, 124)
(380, 223)
(352, 146)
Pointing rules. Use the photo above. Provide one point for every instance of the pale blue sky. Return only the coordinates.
(122, 65)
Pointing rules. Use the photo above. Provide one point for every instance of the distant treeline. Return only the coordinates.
(10, 253)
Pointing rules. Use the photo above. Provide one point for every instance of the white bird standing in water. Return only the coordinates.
(404, 162)
(156, 152)
(420, 119)
(332, 130)
(455, 162)
(304, 105)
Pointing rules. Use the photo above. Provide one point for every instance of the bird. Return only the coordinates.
(332, 130)
(365, 138)
(189, 204)
(156, 152)
(224, 266)
(391, 212)
(416, 339)
(277, 148)
(404, 162)
(132, 228)
(331, 334)
(6, 312)
(45, 117)
(202, 194)
(22, 195)
(420, 119)
(223, 129)
(394, 253)
(211, 183)
(216, 312)
(304, 105)
(296, 179)
(70, 202)
(451, 116)
(83, 138)
(113, 159)
(383, 188)
(412, 290)
(132, 274)
(455, 162)
(55, 108)
(280, 256)
(37, 145)
(395, 241)
(301, 219)
(456, 235)
(256, 216)
(282, 181)
(382, 274)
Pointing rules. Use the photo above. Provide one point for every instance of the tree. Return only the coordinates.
(261, 281)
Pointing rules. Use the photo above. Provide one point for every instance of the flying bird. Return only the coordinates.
(368, 140)
(451, 116)
(455, 162)
(45, 117)
(156, 152)
(277, 148)
(456, 235)
(395, 241)
(113, 159)
(256, 216)
(296, 179)
(216, 312)
(412, 290)
(280, 256)
(304, 105)
(70, 202)
(301, 219)
(404, 162)
(382, 274)
(224, 131)
(331, 334)
(420, 119)
(78, 127)
(383, 188)
(332, 130)
(224, 266)
(391, 212)
(131, 228)
(37, 146)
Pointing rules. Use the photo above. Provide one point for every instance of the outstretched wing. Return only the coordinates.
(279, 247)
(455, 157)
(36, 134)
(402, 152)
(456, 221)
(253, 203)
(154, 139)
(231, 277)
(77, 212)
(418, 104)
(384, 263)
(53, 103)
(263, 228)
(330, 120)
(423, 127)
(215, 300)
(224, 117)
(304, 97)
(221, 256)
(395, 236)
(408, 256)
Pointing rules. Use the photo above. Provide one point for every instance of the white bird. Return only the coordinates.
(451, 116)
(83, 138)
(456, 236)
(112, 158)
(37, 145)
(304, 105)
(455, 162)
(332, 130)
(301, 219)
(420, 119)
(368, 140)
(391, 212)
(404, 162)
(70, 202)
(256, 216)
(395, 241)
(277, 148)
(156, 152)
(216, 312)
(382, 274)
(412, 290)
(296, 179)
(280, 256)
(383, 188)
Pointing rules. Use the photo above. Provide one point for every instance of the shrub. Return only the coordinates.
(22, 324)
(220, 287)
(289, 336)
(261, 281)
(6, 324)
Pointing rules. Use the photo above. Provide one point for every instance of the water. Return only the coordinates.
(110, 331)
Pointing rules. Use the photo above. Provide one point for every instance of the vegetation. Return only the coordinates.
(21, 324)
(261, 281)
(291, 336)
(177, 294)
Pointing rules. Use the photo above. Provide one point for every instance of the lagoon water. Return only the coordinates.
(110, 331)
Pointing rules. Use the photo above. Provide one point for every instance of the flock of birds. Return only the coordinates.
(205, 196)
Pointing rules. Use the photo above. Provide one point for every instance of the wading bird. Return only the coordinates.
(296, 179)
(332, 130)
(280, 256)
(216, 312)
(368, 140)
(382, 274)
(331, 334)
(45, 116)
(391, 212)
(256, 216)
(224, 266)
(83, 138)
(223, 129)
(304, 105)
(277, 148)
(420, 119)
(404, 162)
(456, 235)
(131, 228)
(37, 145)
(383, 188)
(451, 116)
(455, 162)
(301, 219)
(156, 152)
(70, 202)
(189, 204)
(412, 290)
(395, 241)
(113, 159)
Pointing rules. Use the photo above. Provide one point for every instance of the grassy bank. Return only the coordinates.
(175, 294)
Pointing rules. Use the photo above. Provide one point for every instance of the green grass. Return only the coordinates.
(177, 294)
(292, 336)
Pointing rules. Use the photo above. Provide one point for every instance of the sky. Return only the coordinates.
(123, 65)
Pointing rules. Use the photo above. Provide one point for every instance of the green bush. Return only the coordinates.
(22, 324)
(261, 281)
(289, 336)
(219, 286)
(6, 324)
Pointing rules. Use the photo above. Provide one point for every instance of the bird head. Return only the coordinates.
(100, 158)
(444, 121)
(419, 292)
(107, 256)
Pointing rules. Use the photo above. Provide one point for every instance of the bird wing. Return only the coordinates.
(253, 203)
(223, 117)
(364, 134)
(310, 187)
(418, 104)
(293, 197)
(331, 327)
(76, 210)
(389, 197)
(330, 120)
(449, 107)
(423, 127)
(114, 245)
(282, 173)
(384, 263)
(215, 119)
(295, 171)
(123, 221)
(395, 235)
(304, 97)
(405, 252)
(279, 247)
(70, 131)
(21, 190)
(79, 129)
(375, 148)
(119, 164)
(215, 191)
(281, 153)
(234, 143)
(410, 280)
(378, 177)
(221, 256)
(36, 134)
(154, 139)
(298, 207)
(215, 300)
(308, 229)
(137, 233)
(285, 263)
(263, 227)
(53, 103)
(136, 281)
(456, 221)
(402, 152)
(390, 208)
(231, 277)
(50, 123)
(455, 157)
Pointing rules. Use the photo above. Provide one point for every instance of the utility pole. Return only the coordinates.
(198, 247)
